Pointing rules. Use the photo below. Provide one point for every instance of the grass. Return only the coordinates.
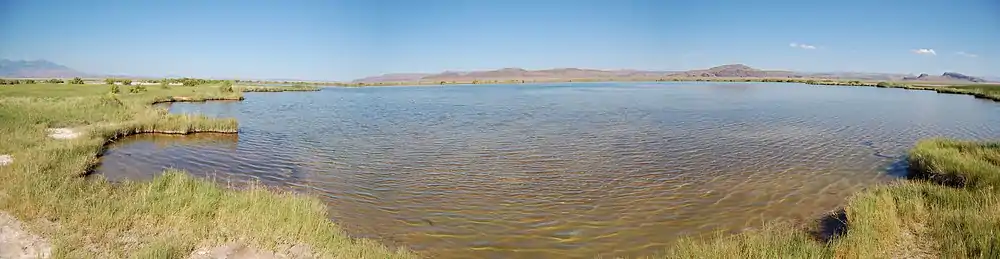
(167, 217)
(294, 88)
(951, 209)
(982, 91)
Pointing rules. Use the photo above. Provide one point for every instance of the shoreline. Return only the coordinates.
(196, 99)
(172, 215)
(940, 87)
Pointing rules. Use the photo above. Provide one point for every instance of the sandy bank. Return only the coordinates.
(16, 242)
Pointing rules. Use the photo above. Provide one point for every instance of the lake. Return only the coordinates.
(572, 170)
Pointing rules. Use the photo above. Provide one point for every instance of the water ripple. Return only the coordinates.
(568, 170)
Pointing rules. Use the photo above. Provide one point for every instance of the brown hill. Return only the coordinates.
(734, 70)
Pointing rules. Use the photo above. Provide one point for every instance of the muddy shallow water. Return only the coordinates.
(563, 170)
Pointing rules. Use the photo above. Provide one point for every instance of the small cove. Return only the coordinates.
(562, 170)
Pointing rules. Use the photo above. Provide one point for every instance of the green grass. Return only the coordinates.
(931, 216)
(986, 88)
(294, 88)
(167, 217)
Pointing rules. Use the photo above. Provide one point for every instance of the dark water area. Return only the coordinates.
(563, 170)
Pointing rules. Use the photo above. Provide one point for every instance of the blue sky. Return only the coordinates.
(343, 40)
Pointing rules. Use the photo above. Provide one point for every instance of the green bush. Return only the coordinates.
(136, 89)
(76, 81)
(115, 89)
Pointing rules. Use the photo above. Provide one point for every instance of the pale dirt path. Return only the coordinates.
(18, 243)
(6, 159)
(63, 133)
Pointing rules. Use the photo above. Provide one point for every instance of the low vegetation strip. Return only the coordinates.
(982, 91)
(950, 209)
(293, 88)
(168, 217)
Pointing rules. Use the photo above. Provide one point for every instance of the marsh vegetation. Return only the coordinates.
(167, 217)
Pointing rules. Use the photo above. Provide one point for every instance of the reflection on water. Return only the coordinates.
(563, 170)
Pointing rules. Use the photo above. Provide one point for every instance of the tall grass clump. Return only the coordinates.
(227, 87)
(774, 240)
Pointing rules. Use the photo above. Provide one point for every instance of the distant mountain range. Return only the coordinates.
(947, 76)
(727, 71)
(36, 69)
(47, 69)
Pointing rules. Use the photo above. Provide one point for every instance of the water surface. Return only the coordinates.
(563, 170)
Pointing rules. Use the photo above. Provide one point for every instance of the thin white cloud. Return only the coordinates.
(925, 52)
(801, 46)
(966, 54)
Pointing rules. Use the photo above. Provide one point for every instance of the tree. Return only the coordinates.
(109, 81)
(76, 81)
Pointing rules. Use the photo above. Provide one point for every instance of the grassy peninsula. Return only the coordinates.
(292, 88)
(982, 91)
(168, 217)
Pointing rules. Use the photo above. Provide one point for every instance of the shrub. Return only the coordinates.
(53, 81)
(115, 89)
(227, 87)
(136, 89)
(76, 81)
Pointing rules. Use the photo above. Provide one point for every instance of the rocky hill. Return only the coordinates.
(945, 77)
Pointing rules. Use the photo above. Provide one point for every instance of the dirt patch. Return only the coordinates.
(16, 242)
(6, 160)
(236, 250)
(63, 133)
